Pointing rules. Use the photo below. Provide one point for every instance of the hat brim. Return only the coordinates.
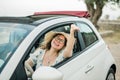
(51, 34)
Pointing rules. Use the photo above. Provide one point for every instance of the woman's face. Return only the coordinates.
(58, 42)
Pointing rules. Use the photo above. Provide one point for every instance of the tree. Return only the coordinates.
(95, 9)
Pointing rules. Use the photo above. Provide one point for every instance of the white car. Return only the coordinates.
(20, 36)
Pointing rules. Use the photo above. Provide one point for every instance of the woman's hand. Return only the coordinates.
(74, 28)
(28, 67)
(70, 41)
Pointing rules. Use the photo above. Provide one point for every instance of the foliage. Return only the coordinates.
(103, 1)
(95, 9)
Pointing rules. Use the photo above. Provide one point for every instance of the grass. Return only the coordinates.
(114, 38)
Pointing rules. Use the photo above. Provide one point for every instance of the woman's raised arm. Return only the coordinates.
(70, 41)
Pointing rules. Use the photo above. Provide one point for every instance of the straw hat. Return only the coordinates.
(50, 35)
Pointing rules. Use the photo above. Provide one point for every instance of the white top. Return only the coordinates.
(37, 57)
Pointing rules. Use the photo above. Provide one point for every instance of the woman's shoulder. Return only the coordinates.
(39, 51)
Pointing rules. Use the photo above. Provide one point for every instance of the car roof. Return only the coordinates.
(39, 17)
(16, 19)
(33, 20)
(48, 17)
(70, 13)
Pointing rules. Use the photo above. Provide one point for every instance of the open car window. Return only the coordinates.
(62, 28)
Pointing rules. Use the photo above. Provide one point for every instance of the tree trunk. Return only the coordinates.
(95, 13)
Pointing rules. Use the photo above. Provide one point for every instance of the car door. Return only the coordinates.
(69, 65)
(88, 63)
(77, 67)
(87, 59)
(94, 48)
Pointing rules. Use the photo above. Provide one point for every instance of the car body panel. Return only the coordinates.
(84, 66)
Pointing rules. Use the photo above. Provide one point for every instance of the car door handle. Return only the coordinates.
(89, 68)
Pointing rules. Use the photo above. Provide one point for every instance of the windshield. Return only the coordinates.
(11, 35)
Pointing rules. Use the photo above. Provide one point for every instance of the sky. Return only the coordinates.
(28, 7)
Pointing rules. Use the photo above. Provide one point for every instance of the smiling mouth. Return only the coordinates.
(56, 43)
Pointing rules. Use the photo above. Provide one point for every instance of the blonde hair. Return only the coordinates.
(46, 44)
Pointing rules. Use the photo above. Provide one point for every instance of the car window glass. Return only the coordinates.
(87, 33)
(11, 35)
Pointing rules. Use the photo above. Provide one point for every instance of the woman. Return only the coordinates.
(56, 47)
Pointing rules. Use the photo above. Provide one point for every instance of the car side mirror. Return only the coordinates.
(47, 73)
